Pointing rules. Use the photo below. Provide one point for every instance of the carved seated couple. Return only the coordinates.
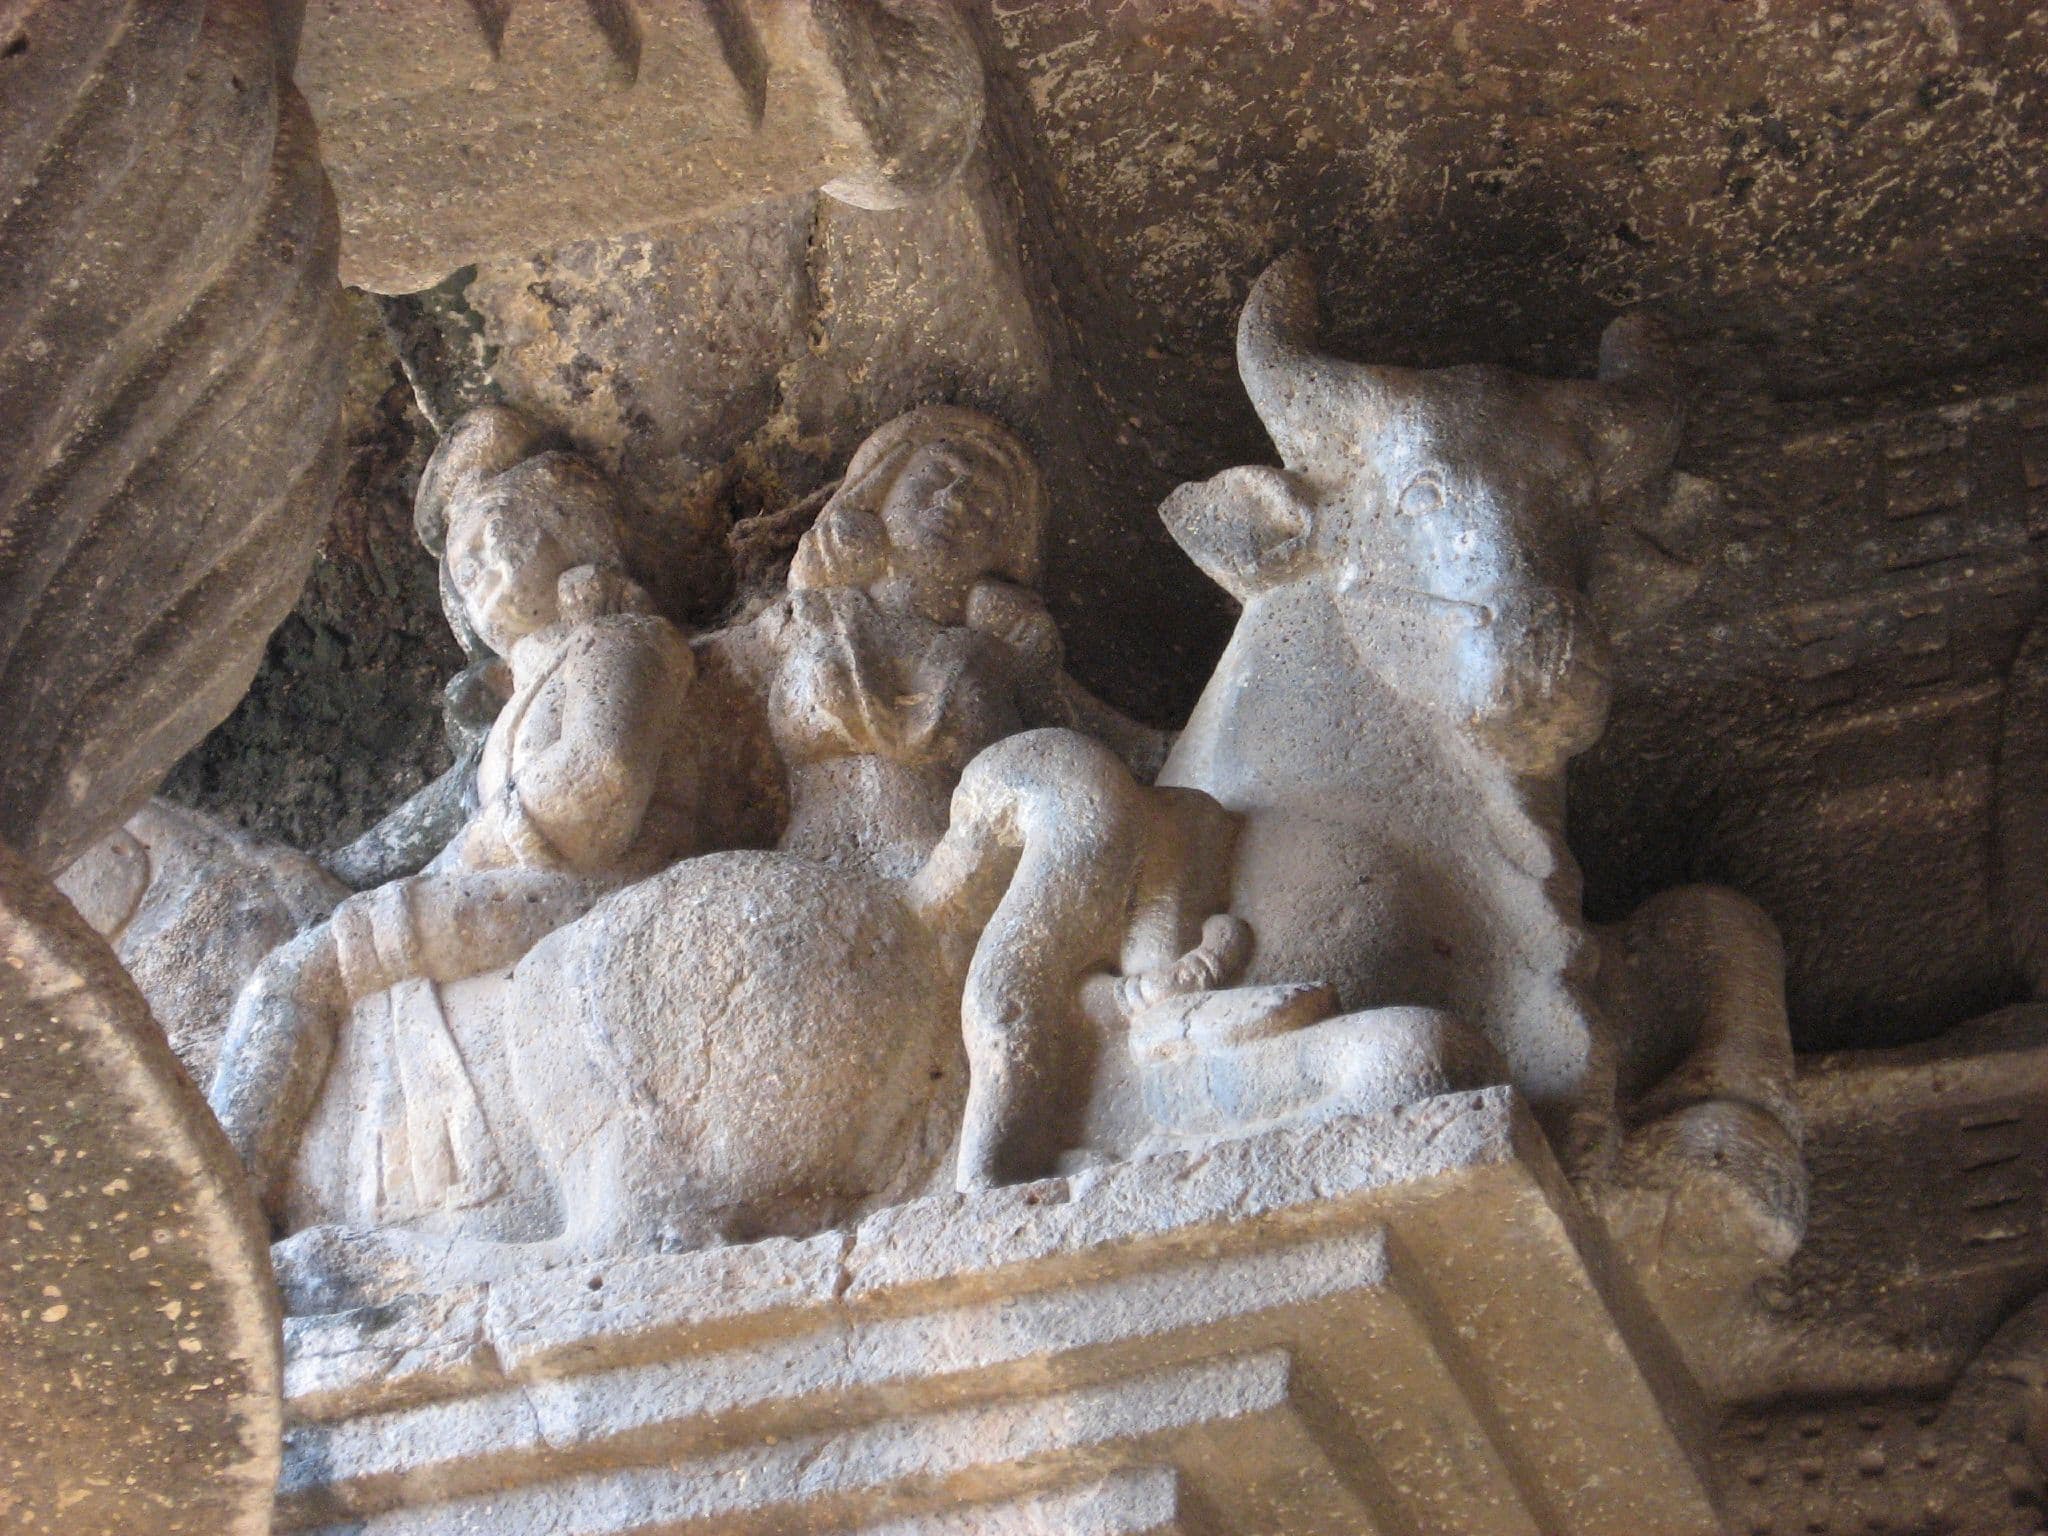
(673, 1064)
(579, 1032)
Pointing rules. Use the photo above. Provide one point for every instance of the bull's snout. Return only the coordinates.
(1542, 677)
(1363, 589)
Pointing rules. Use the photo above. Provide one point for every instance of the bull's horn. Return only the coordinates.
(1635, 415)
(1313, 405)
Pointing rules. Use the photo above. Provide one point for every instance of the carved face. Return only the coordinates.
(1446, 513)
(948, 517)
(951, 501)
(511, 541)
(506, 568)
(1452, 551)
(1457, 557)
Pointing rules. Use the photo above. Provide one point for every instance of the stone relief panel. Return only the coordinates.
(1413, 668)
(376, 1067)
(860, 895)
(1833, 704)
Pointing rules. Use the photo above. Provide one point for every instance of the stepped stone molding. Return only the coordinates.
(1310, 1330)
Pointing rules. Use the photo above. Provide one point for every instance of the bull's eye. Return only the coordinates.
(1423, 495)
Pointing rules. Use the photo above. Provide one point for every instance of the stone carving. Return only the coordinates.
(969, 1365)
(570, 1037)
(499, 1051)
(191, 907)
(1391, 721)
(169, 393)
(584, 783)
(911, 638)
(169, 381)
(611, 116)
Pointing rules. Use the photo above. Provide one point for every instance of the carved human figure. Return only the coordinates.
(561, 1040)
(1412, 670)
(911, 638)
(587, 781)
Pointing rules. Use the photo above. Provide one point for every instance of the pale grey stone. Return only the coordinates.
(1313, 1329)
(191, 907)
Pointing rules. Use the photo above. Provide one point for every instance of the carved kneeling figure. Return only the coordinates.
(558, 1042)
(586, 782)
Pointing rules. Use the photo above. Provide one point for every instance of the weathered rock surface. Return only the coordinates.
(138, 1322)
(344, 717)
(190, 907)
(1307, 1332)
(1831, 208)
(169, 374)
(460, 132)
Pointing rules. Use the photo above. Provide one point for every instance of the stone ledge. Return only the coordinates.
(1245, 1319)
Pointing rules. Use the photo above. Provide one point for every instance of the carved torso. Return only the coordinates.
(875, 715)
(549, 669)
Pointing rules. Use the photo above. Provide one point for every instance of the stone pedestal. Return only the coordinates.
(1394, 1324)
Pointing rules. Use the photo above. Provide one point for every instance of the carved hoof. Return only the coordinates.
(1713, 1185)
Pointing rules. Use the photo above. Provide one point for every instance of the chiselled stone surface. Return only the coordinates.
(168, 384)
(190, 908)
(1822, 699)
(168, 377)
(1892, 1377)
(1307, 1331)
(608, 1019)
(1930, 1201)
(138, 1322)
(435, 1062)
(1971, 1459)
(456, 132)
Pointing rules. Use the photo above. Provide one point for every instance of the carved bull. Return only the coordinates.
(1391, 722)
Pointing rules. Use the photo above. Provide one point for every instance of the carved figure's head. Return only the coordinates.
(523, 544)
(933, 503)
(1448, 513)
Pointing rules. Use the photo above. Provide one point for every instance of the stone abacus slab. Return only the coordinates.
(1390, 1324)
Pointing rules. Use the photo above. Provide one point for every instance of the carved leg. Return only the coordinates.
(1696, 977)
(1068, 816)
(1234, 1062)
(274, 1056)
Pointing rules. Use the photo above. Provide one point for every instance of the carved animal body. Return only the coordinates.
(1411, 672)
(1380, 853)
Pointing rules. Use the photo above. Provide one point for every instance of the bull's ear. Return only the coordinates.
(1246, 528)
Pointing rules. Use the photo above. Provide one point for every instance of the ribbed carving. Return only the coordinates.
(170, 367)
